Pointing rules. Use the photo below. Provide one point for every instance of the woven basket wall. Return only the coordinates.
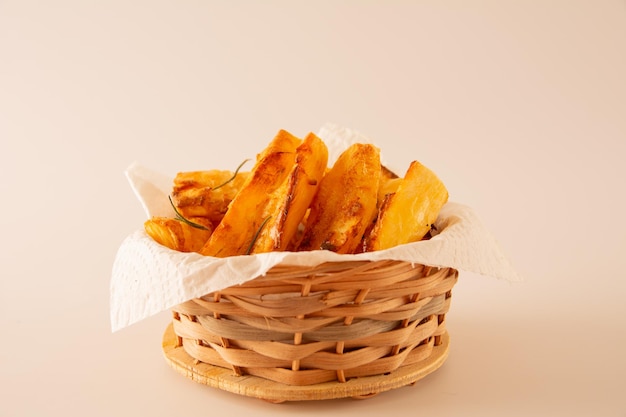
(332, 322)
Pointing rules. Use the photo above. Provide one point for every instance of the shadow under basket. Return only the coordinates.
(336, 330)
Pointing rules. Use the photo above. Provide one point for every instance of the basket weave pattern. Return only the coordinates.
(309, 325)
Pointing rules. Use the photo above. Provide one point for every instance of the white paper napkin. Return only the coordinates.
(148, 278)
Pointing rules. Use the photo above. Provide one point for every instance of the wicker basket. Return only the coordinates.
(345, 329)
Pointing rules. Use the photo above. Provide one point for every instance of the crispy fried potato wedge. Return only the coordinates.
(387, 186)
(345, 203)
(389, 182)
(407, 215)
(206, 193)
(289, 203)
(178, 235)
(237, 231)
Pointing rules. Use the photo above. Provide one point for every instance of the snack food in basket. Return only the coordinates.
(292, 324)
(337, 329)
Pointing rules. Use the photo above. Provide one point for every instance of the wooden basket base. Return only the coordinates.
(276, 392)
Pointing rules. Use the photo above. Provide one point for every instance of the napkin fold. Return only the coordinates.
(148, 278)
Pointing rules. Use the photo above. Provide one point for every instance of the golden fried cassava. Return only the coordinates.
(291, 200)
(387, 186)
(345, 203)
(288, 204)
(407, 214)
(206, 193)
(237, 230)
(179, 235)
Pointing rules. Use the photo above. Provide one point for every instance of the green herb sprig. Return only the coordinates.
(181, 218)
(231, 178)
(256, 235)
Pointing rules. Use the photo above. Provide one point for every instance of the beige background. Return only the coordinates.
(519, 106)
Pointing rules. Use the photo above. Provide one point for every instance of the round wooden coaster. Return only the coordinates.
(271, 391)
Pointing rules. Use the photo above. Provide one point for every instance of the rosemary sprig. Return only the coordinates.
(231, 178)
(180, 217)
(256, 235)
